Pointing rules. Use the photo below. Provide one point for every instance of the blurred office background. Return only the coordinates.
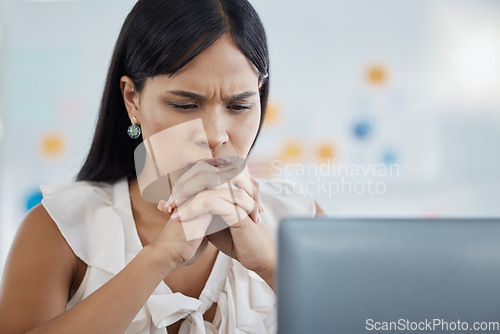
(378, 108)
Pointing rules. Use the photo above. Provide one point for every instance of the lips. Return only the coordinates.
(217, 162)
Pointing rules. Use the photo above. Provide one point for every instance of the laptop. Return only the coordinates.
(388, 276)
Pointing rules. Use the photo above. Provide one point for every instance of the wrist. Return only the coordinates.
(267, 272)
(159, 260)
(268, 277)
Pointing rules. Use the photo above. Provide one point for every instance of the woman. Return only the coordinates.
(96, 257)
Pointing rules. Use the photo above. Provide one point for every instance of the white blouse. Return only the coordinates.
(96, 220)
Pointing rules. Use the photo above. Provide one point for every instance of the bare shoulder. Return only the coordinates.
(39, 236)
(38, 224)
(38, 274)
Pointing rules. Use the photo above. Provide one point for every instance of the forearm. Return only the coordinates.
(268, 272)
(111, 308)
(269, 279)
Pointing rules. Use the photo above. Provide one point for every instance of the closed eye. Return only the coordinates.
(236, 108)
(188, 106)
(240, 107)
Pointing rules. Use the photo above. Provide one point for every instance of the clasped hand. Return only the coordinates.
(222, 207)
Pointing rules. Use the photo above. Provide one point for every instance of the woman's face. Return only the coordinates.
(218, 90)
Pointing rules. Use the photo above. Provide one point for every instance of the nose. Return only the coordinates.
(215, 125)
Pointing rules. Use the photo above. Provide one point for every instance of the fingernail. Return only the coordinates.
(169, 209)
(259, 220)
(262, 209)
(161, 205)
(170, 199)
(175, 215)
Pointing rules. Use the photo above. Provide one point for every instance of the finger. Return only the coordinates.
(231, 204)
(214, 176)
(249, 203)
(243, 181)
(257, 197)
(234, 166)
(198, 178)
(201, 176)
(205, 176)
(198, 168)
(219, 202)
(247, 182)
(251, 186)
(173, 231)
(196, 227)
(255, 213)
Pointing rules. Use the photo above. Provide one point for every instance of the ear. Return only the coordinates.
(130, 97)
(260, 84)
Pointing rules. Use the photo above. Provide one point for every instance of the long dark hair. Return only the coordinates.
(160, 37)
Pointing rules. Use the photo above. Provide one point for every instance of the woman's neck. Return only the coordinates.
(147, 217)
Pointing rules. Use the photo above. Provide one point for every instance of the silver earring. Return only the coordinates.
(134, 131)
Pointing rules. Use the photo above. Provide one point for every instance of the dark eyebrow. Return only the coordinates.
(195, 96)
